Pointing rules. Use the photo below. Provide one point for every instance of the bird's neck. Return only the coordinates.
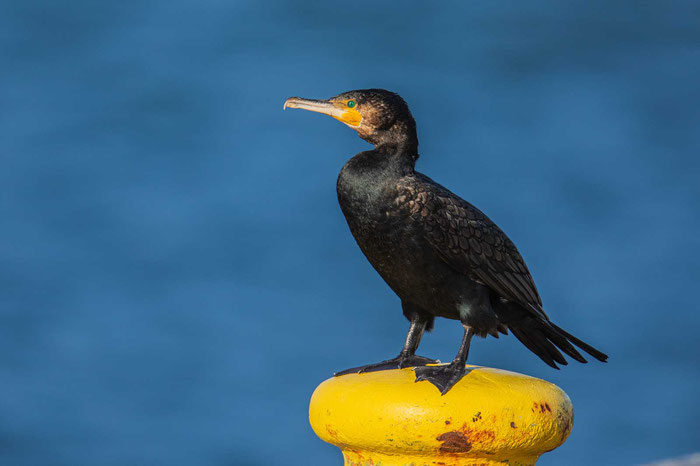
(397, 144)
(366, 179)
(384, 162)
(400, 160)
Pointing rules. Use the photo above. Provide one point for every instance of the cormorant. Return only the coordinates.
(441, 255)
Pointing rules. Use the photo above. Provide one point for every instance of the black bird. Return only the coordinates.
(441, 255)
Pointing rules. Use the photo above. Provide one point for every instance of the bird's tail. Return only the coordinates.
(546, 340)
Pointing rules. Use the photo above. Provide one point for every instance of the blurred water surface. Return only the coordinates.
(176, 276)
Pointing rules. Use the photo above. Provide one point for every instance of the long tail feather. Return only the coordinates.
(560, 340)
(546, 339)
(540, 335)
(599, 355)
(533, 345)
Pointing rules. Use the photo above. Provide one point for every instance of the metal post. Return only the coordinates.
(490, 417)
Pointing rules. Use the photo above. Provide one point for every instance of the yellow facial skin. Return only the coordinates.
(342, 110)
(350, 116)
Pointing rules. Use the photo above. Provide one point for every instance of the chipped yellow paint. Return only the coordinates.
(490, 417)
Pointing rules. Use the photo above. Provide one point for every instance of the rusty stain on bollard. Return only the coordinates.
(490, 417)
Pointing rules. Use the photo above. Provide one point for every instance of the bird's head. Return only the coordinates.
(380, 117)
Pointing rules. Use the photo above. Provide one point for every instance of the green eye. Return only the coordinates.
(351, 103)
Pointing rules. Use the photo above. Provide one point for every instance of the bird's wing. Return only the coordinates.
(467, 240)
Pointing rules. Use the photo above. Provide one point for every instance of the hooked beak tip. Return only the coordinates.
(290, 103)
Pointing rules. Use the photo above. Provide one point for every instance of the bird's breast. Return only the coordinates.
(391, 231)
(380, 220)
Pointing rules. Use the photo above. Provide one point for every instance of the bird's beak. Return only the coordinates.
(336, 109)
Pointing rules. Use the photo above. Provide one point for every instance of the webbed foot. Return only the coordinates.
(398, 362)
(443, 377)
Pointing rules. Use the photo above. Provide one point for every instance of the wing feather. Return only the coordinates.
(467, 240)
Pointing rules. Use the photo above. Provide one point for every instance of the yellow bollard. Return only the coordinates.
(490, 417)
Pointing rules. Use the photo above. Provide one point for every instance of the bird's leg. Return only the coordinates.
(445, 377)
(406, 358)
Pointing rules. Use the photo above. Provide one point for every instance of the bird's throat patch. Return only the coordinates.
(350, 117)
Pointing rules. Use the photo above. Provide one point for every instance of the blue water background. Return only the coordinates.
(176, 276)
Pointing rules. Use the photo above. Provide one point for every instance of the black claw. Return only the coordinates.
(399, 362)
(443, 377)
